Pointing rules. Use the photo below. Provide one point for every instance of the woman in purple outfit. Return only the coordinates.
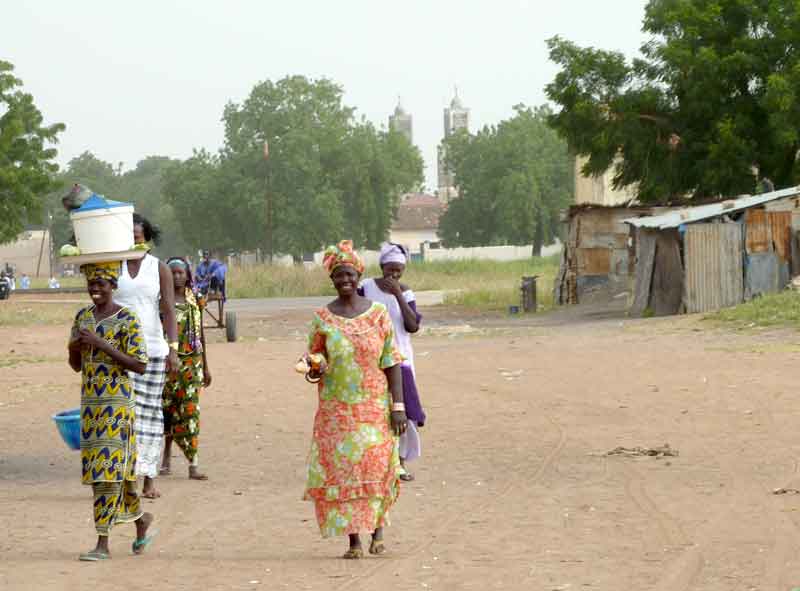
(402, 306)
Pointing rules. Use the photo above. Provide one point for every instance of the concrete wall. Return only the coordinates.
(413, 239)
(492, 253)
(371, 257)
(24, 254)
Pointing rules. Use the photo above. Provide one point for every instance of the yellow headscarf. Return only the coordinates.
(340, 255)
(109, 271)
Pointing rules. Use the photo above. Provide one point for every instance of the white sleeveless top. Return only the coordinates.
(402, 339)
(142, 294)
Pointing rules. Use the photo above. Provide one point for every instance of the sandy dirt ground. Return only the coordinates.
(514, 491)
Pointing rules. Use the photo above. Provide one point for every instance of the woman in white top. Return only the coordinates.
(146, 287)
(402, 306)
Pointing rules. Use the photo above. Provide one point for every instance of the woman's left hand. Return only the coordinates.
(172, 362)
(399, 422)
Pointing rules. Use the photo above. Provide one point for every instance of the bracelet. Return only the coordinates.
(173, 345)
(398, 407)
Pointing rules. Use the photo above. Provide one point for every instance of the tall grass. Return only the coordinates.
(474, 283)
(774, 309)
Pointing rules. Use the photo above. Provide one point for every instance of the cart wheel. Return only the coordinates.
(230, 326)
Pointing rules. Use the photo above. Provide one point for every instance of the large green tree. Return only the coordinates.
(327, 176)
(513, 180)
(26, 161)
(712, 99)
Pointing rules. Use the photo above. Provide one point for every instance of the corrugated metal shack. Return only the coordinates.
(707, 257)
(597, 259)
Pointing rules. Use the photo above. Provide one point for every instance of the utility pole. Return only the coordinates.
(268, 203)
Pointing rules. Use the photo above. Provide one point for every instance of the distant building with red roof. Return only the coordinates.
(417, 220)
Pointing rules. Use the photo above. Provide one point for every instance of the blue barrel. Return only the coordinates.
(68, 423)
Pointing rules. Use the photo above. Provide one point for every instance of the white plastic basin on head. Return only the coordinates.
(103, 230)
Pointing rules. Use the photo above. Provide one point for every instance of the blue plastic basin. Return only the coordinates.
(68, 423)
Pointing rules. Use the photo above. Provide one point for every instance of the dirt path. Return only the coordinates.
(514, 490)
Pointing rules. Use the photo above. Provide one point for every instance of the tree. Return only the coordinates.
(711, 102)
(326, 176)
(513, 181)
(26, 167)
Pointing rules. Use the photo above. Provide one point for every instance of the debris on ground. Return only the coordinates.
(658, 452)
(786, 491)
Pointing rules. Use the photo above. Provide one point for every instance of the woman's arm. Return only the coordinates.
(74, 348)
(410, 316)
(206, 371)
(398, 417)
(88, 338)
(167, 306)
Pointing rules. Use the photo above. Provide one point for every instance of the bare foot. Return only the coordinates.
(149, 490)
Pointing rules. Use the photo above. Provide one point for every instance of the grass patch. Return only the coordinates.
(775, 309)
(480, 284)
(499, 288)
(22, 313)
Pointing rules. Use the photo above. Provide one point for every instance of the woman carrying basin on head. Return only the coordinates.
(105, 344)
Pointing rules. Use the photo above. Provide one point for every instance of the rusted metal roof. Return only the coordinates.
(689, 215)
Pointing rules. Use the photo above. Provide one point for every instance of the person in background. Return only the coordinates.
(146, 287)
(24, 281)
(182, 391)
(402, 306)
(354, 465)
(210, 275)
(105, 345)
(53, 283)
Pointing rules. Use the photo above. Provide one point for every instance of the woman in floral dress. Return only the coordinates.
(354, 465)
(182, 390)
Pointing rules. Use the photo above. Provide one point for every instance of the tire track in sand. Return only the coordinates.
(357, 574)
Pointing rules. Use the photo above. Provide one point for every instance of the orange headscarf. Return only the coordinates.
(340, 255)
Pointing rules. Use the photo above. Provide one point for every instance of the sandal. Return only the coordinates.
(164, 471)
(354, 553)
(94, 556)
(152, 494)
(139, 546)
(407, 477)
(377, 547)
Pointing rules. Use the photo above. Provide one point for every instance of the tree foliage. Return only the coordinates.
(26, 163)
(712, 98)
(327, 176)
(513, 181)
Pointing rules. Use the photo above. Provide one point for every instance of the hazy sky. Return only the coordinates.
(144, 78)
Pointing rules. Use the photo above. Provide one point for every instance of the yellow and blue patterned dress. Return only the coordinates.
(108, 444)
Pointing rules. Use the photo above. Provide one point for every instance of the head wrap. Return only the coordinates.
(109, 271)
(392, 253)
(340, 255)
(177, 263)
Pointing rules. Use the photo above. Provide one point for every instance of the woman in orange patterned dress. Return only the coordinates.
(354, 465)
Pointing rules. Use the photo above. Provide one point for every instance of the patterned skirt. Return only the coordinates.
(182, 405)
(149, 388)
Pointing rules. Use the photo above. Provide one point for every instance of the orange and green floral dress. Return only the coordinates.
(354, 466)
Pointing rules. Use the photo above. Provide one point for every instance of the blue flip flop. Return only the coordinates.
(139, 546)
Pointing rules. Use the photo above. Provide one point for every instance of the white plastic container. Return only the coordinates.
(103, 226)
